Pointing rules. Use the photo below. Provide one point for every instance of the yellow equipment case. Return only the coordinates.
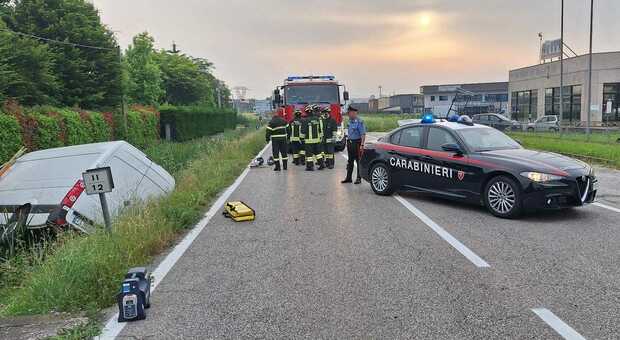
(239, 212)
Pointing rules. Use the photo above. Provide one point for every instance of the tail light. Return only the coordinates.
(68, 201)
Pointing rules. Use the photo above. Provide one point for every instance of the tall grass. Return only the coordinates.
(383, 122)
(83, 273)
(596, 151)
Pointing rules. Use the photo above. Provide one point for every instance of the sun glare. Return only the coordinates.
(424, 20)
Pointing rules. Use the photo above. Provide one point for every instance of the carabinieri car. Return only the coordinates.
(463, 161)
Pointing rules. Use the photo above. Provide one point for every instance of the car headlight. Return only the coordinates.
(541, 177)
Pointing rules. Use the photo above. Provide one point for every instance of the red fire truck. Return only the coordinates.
(301, 91)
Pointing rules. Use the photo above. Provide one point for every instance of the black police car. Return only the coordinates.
(460, 160)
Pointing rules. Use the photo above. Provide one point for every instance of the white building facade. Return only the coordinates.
(534, 91)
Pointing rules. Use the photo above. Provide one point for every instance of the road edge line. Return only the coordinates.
(446, 236)
(605, 206)
(559, 326)
(112, 327)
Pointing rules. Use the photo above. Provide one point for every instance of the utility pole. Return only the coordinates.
(540, 59)
(590, 71)
(123, 112)
(219, 97)
(562, 68)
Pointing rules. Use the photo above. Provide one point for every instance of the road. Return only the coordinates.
(330, 261)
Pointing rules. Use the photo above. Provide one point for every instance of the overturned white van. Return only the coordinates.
(49, 183)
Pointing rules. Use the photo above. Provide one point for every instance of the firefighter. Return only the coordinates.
(295, 139)
(329, 127)
(312, 140)
(277, 132)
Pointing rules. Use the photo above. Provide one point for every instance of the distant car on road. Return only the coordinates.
(545, 123)
(50, 183)
(497, 121)
(477, 164)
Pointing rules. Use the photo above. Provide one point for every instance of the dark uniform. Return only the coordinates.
(356, 132)
(329, 128)
(295, 139)
(310, 133)
(277, 132)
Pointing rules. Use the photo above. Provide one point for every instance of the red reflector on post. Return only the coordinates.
(73, 194)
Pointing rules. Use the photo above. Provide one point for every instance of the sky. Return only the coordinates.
(398, 44)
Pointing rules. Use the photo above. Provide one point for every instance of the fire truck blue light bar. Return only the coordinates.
(293, 78)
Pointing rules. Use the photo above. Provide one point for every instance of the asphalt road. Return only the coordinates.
(330, 261)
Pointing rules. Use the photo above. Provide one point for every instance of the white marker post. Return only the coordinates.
(99, 182)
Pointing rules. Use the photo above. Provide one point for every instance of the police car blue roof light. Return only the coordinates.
(465, 120)
(428, 119)
(453, 118)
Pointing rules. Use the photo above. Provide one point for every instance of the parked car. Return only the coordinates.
(497, 121)
(545, 123)
(49, 182)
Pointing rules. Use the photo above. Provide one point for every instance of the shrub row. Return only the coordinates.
(10, 137)
(190, 122)
(49, 127)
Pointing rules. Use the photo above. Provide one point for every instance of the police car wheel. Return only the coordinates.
(502, 197)
(381, 180)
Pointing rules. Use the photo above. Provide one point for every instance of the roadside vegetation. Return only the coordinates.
(601, 149)
(381, 122)
(77, 273)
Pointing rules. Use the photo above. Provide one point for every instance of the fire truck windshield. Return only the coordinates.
(312, 94)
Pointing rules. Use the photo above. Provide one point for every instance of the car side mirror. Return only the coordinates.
(345, 95)
(455, 148)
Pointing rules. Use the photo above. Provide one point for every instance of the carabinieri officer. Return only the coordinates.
(355, 141)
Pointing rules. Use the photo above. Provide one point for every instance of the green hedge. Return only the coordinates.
(47, 133)
(48, 127)
(77, 130)
(190, 122)
(10, 137)
(100, 130)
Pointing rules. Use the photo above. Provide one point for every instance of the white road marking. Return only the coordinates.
(456, 244)
(605, 206)
(566, 331)
(113, 328)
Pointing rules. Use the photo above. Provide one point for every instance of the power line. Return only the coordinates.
(57, 41)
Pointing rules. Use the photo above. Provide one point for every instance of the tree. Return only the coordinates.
(145, 78)
(184, 82)
(89, 78)
(26, 70)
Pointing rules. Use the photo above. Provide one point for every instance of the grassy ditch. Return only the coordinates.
(83, 273)
(595, 150)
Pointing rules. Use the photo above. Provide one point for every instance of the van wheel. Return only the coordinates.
(381, 180)
(502, 197)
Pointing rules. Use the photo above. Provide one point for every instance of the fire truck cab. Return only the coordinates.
(301, 91)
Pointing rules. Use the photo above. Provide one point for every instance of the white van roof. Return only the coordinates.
(45, 176)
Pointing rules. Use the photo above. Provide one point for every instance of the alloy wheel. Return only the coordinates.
(380, 179)
(501, 197)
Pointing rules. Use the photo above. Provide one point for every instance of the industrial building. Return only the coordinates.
(398, 103)
(535, 90)
(467, 99)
